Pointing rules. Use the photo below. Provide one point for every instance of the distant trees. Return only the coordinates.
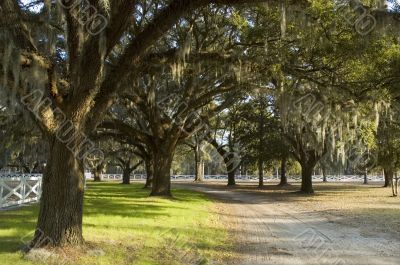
(323, 86)
(127, 163)
(260, 133)
(160, 119)
(388, 144)
(196, 144)
(223, 136)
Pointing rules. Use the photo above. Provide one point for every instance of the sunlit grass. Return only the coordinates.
(126, 226)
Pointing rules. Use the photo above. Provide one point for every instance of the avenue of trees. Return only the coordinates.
(256, 85)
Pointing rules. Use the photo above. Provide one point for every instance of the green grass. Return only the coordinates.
(130, 228)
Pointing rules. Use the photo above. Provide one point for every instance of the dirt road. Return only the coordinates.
(275, 232)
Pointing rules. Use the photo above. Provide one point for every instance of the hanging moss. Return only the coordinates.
(283, 19)
(105, 4)
(179, 64)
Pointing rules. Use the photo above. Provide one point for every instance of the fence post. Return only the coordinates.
(39, 195)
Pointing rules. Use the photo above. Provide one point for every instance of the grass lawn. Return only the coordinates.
(122, 225)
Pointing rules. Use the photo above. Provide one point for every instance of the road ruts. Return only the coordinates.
(275, 232)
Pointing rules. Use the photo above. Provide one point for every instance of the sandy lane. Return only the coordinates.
(275, 232)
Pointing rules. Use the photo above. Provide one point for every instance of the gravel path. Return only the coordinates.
(275, 232)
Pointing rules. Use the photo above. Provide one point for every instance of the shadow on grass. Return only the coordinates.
(271, 193)
(107, 200)
(16, 227)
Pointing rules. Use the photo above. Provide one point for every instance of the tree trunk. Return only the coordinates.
(199, 177)
(389, 173)
(97, 172)
(126, 176)
(324, 177)
(306, 178)
(366, 177)
(261, 146)
(395, 185)
(231, 178)
(308, 160)
(283, 173)
(161, 169)
(260, 173)
(96, 175)
(61, 204)
(149, 173)
(229, 160)
(231, 167)
(199, 171)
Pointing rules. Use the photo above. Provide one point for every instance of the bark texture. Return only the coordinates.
(231, 179)
(126, 176)
(199, 177)
(149, 173)
(162, 158)
(389, 173)
(61, 206)
(308, 160)
(306, 178)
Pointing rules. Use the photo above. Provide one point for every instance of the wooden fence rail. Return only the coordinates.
(17, 189)
(316, 178)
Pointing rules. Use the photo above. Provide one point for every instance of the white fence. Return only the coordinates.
(119, 177)
(17, 189)
(316, 178)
